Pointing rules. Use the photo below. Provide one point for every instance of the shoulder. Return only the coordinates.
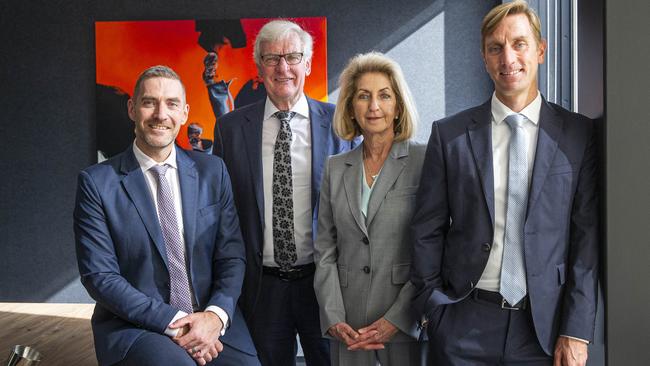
(313, 103)
(339, 160)
(106, 168)
(317, 107)
(202, 160)
(577, 130)
(417, 151)
(237, 115)
(569, 116)
(466, 116)
(416, 148)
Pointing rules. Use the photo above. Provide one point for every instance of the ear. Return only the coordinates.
(130, 106)
(186, 113)
(307, 67)
(541, 51)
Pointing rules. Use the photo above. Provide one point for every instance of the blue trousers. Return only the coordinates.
(153, 349)
(285, 308)
(475, 332)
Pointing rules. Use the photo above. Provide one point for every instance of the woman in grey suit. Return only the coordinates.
(367, 197)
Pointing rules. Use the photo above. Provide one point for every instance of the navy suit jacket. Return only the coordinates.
(121, 251)
(454, 221)
(238, 141)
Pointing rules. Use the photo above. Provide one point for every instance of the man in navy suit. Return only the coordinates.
(505, 232)
(159, 246)
(279, 221)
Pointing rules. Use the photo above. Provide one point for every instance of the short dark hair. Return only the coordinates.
(158, 71)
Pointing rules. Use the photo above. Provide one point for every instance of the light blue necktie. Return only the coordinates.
(513, 268)
(179, 296)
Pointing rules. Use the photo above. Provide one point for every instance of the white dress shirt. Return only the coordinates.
(146, 163)
(491, 276)
(301, 175)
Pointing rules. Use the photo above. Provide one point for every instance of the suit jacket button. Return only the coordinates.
(486, 247)
(365, 240)
(259, 254)
(366, 269)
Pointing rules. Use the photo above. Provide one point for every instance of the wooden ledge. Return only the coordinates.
(61, 332)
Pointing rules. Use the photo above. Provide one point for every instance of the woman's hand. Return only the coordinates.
(374, 336)
(344, 333)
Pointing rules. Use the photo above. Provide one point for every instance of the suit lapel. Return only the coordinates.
(252, 132)
(480, 137)
(352, 184)
(189, 187)
(136, 188)
(319, 148)
(550, 132)
(393, 166)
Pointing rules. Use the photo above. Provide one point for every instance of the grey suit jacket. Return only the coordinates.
(363, 265)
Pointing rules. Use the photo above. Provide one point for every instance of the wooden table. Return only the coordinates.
(61, 332)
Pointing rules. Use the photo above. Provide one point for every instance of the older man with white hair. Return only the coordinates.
(275, 150)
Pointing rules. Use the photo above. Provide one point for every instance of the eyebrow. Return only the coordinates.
(388, 88)
(499, 42)
(172, 99)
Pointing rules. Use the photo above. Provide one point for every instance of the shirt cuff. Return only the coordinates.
(172, 332)
(575, 338)
(222, 315)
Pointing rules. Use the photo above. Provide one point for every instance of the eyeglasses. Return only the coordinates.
(292, 58)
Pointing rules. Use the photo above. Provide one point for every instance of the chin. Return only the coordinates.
(158, 143)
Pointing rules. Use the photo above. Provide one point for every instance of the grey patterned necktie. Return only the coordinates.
(284, 244)
(513, 267)
(179, 296)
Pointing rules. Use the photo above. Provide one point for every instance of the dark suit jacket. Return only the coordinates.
(121, 251)
(238, 140)
(454, 221)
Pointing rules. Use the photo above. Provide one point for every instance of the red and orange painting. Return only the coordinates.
(125, 48)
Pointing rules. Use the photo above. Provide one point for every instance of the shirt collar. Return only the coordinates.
(147, 163)
(500, 111)
(301, 107)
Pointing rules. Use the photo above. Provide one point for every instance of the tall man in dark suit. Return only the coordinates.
(159, 246)
(275, 150)
(505, 232)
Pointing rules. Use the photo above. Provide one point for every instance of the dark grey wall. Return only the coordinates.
(627, 117)
(47, 98)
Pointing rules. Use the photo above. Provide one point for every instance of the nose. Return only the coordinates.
(508, 56)
(282, 64)
(160, 111)
(374, 104)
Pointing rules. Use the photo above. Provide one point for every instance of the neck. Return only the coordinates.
(284, 104)
(157, 154)
(377, 147)
(517, 102)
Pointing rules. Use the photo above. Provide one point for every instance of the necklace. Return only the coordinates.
(368, 170)
(377, 165)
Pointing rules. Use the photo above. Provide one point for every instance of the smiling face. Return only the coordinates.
(512, 56)
(284, 83)
(158, 111)
(375, 105)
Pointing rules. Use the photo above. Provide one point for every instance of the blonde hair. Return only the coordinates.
(498, 13)
(347, 128)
